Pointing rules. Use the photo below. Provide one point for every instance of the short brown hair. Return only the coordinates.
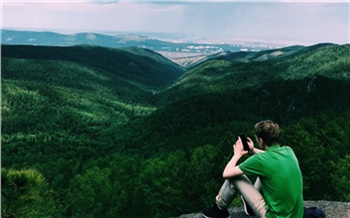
(268, 131)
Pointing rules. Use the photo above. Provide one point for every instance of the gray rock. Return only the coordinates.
(333, 209)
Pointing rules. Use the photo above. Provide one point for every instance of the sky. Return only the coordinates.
(292, 22)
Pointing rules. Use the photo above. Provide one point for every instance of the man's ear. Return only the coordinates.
(261, 141)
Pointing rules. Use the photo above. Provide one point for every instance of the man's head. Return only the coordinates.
(267, 132)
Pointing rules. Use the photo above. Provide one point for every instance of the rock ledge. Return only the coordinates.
(333, 209)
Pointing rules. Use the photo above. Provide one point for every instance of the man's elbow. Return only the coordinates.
(224, 175)
(229, 174)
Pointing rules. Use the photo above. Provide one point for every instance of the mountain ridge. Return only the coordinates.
(166, 47)
(123, 62)
(298, 64)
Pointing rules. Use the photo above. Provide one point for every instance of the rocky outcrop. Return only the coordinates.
(333, 209)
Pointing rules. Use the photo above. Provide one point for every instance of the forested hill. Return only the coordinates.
(235, 71)
(135, 65)
(92, 131)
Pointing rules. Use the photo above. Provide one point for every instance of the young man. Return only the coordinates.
(278, 189)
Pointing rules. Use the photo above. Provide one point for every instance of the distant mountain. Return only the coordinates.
(166, 48)
(247, 56)
(260, 55)
(57, 39)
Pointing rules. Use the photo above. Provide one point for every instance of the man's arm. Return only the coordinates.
(252, 149)
(231, 170)
(255, 151)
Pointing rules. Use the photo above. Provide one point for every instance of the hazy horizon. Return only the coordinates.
(275, 21)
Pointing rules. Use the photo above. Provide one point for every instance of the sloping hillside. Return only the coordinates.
(134, 65)
(90, 86)
(261, 55)
(205, 117)
(240, 56)
(241, 70)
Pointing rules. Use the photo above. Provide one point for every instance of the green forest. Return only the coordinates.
(88, 131)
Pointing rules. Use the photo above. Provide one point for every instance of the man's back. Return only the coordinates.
(281, 180)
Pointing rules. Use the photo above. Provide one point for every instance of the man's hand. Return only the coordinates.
(251, 145)
(238, 147)
(252, 149)
(231, 170)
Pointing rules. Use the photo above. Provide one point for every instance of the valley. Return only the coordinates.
(113, 132)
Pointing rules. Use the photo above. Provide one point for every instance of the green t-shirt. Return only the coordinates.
(281, 180)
